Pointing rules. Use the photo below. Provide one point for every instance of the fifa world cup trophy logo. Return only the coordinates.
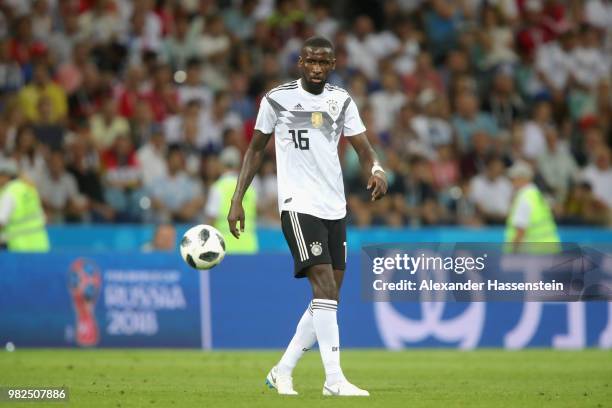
(84, 284)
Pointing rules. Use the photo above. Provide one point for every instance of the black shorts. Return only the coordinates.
(314, 241)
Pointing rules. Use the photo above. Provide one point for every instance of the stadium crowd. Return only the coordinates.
(119, 110)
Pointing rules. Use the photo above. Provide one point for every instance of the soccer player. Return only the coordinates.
(307, 117)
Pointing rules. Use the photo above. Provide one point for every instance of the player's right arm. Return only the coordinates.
(251, 163)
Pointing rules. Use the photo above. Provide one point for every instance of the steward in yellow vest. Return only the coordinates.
(219, 203)
(530, 220)
(22, 219)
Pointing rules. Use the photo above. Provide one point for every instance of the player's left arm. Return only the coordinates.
(369, 160)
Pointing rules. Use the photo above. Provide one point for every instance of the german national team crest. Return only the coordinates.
(316, 248)
(334, 109)
(316, 119)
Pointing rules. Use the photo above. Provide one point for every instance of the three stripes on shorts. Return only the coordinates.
(299, 237)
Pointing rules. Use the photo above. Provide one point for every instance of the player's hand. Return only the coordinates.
(235, 216)
(379, 181)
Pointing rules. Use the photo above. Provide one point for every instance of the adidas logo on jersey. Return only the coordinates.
(298, 107)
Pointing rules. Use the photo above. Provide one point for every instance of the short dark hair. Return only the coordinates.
(318, 42)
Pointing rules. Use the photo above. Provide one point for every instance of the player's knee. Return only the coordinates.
(323, 282)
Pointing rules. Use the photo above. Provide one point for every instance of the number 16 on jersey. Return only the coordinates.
(300, 141)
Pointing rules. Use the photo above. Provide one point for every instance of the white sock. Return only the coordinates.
(302, 341)
(326, 328)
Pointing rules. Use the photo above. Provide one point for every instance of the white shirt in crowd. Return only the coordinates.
(601, 182)
(493, 196)
(534, 140)
(152, 162)
(385, 106)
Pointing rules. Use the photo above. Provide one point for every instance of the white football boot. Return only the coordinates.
(344, 389)
(282, 383)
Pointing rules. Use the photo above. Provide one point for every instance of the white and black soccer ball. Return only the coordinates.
(202, 247)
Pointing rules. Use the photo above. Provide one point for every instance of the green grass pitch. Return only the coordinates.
(423, 378)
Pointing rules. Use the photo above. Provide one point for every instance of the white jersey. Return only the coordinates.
(307, 129)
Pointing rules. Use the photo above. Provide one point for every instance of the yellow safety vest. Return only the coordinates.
(25, 230)
(541, 227)
(247, 244)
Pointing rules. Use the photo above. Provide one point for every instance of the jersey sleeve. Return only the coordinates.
(352, 121)
(266, 117)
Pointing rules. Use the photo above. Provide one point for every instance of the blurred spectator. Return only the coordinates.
(240, 102)
(504, 103)
(424, 76)
(27, 154)
(40, 86)
(442, 20)
(123, 179)
(176, 197)
(534, 139)
(409, 45)
(11, 76)
(59, 192)
(107, 125)
(142, 123)
(532, 34)
(216, 120)
(162, 96)
(286, 20)
(404, 139)
(241, 21)
(23, 47)
(85, 167)
(469, 120)
(193, 88)
(431, 125)
(152, 158)
(497, 38)
(421, 199)
(179, 47)
(387, 102)
(557, 166)
(48, 131)
(474, 161)
(85, 100)
(70, 72)
(582, 207)
(63, 41)
(364, 47)
(491, 191)
(444, 169)
(164, 239)
(598, 13)
(554, 62)
(41, 20)
(102, 22)
(129, 92)
(591, 64)
(599, 175)
(189, 124)
(215, 41)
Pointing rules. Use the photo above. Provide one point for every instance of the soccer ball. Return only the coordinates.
(202, 247)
